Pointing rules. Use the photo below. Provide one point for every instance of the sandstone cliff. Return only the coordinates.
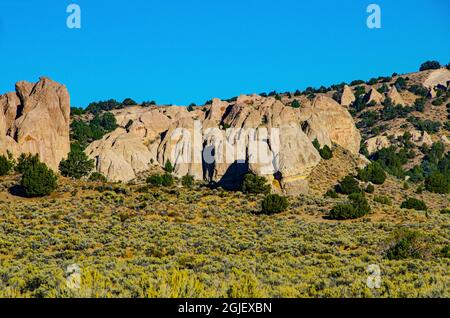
(35, 119)
(222, 141)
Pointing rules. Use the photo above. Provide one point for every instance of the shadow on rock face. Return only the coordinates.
(233, 177)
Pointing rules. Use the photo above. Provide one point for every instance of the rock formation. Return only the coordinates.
(437, 77)
(347, 96)
(374, 96)
(35, 119)
(222, 141)
(394, 95)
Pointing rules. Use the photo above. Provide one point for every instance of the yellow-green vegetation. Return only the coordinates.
(147, 241)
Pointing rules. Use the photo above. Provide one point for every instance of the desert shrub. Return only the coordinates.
(331, 194)
(383, 199)
(296, 104)
(25, 161)
(326, 153)
(274, 203)
(97, 107)
(391, 160)
(427, 125)
(38, 180)
(168, 167)
(418, 90)
(357, 207)
(187, 181)
(5, 165)
(255, 184)
(370, 189)
(413, 203)
(348, 185)
(129, 102)
(107, 121)
(408, 244)
(167, 180)
(97, 177)
(400, 83)
(154, 180)
(419, 104)
(356, 82)
(373, 172)
(437, 183)
(429, 65)
(438, 101)
(77, 165)
(360, 203)
(343, 212)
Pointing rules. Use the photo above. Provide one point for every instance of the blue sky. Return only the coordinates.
(183, 51)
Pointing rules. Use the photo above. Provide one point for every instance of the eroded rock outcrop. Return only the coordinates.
(395, 96)
(374, 96)
(35, 119)
(222, 141)
(347, 97)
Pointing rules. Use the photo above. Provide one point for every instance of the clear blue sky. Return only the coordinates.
(183, 51)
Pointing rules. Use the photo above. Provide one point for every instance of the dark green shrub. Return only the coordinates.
(38, 180)
(373, 172)
(331, 194)
(408, 244)
(437, 183)
(168, 167)
(107, 121)
(25, 161)
(129, 102)
(77, 165)
(370, 189)
(5, 165)
(348, 185)
(167, 180)
(383, 200)
(357, 207)
(255, 184)
(187, 181)
(342, 212)
(418, 90)
(430, 65)
(391, 161)
(274, 203)
(413, 203)
(438, 101)
(154, 180)
(296, 104)
(326, 153)
(97, 177)
(360, 203)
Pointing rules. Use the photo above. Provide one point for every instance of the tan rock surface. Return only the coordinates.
(36, 120)
(347, 96)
